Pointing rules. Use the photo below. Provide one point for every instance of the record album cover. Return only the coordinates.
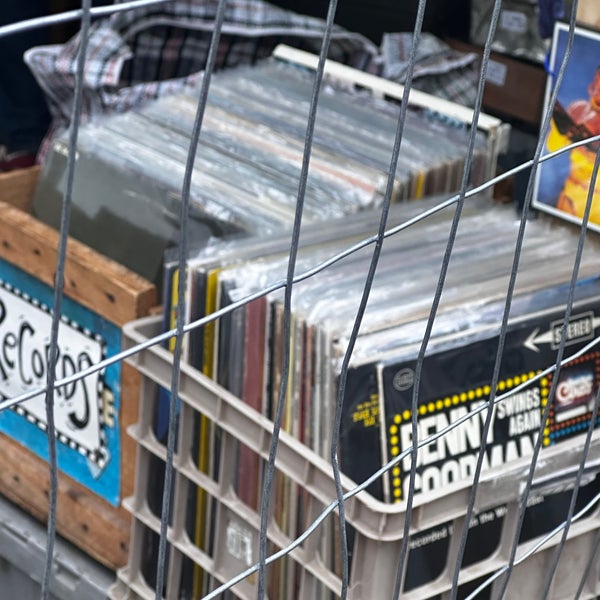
(562, 183)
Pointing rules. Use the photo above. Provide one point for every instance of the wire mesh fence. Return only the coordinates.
(380, 533)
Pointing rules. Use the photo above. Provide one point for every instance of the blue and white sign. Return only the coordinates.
(86, 411)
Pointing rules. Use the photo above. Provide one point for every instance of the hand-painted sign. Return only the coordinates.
(85, 411)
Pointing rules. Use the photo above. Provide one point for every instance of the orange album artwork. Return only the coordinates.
(563, 182)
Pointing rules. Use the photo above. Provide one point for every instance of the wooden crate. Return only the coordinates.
(96, 457)
(17, 187)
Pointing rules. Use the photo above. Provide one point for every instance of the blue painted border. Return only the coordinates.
(107, 483)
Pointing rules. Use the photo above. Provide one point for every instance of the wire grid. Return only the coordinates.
(85, 14)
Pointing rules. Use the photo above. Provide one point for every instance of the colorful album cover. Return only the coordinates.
(456, 380)
(562, 183)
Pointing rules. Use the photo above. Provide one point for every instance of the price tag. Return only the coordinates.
(496, 73)
(513, 21)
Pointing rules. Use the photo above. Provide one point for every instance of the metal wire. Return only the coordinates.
(528, 195)
(500, 352)
(489, 413)
(588, 566)
(534, 548)
(367, 288)
(434, 308)
(73, 15)
(181, 298)
(588, 440)
(295, 239)
(57, 302)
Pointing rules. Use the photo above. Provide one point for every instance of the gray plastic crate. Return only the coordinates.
(378, 526)
(23, 557)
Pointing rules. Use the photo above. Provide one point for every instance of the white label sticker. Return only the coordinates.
(239, 542)
(511, 20)
(24, 357)
(496, 73)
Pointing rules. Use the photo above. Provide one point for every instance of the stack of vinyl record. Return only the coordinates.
(130, 167)
(243, 352)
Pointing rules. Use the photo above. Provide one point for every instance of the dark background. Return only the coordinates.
(444, 18)
(372, 18)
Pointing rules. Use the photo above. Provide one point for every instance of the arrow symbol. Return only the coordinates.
(580, 328)
(533, 339)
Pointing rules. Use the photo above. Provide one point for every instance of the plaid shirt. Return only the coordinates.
(144, 53)
(439, 70)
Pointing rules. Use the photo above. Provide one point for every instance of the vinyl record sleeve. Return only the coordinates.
(249, 463)
(456, 380)
(562, 184)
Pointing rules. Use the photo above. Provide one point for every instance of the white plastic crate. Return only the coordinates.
(377, 526)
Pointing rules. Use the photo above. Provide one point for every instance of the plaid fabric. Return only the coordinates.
(139, 55)
(142, 54)
(439, 69)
